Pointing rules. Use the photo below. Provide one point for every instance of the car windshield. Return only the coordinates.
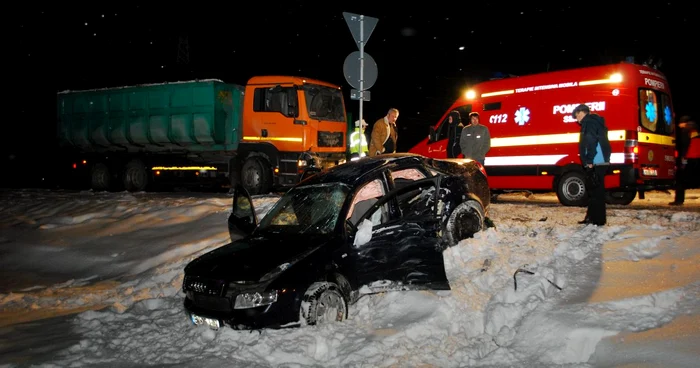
(312, 209)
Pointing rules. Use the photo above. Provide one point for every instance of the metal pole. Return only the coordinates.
(362, 78)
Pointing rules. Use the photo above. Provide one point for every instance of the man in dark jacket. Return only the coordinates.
(594, 150)
(454, 131)
(475, 140)
(683, 133)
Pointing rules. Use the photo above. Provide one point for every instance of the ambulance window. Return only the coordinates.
(649, 109)
(492, 106)
(463, 113)
(666, 114)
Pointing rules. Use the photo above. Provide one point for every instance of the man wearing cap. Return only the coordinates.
(594, 151)
(358, 140)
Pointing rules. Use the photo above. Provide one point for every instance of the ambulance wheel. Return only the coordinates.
(621, 198)
(571, 189)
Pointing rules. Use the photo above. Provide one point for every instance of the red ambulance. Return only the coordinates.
(534, 138)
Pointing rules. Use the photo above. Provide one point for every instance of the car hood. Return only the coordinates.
(252, 258)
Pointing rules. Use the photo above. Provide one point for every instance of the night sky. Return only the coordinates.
(426, 55)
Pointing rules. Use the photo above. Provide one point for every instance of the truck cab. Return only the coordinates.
(291, 126)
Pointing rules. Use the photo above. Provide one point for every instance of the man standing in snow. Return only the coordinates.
(594, 150)
(475, 139)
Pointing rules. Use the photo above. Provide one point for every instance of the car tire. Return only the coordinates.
(465, 221)
(323, 303)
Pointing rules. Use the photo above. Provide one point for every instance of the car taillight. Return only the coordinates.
(631, 148)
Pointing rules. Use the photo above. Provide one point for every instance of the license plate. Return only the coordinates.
(649, 172)
(213, 323)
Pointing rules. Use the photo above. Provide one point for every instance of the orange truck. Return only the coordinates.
(268, 134)
(534, 138)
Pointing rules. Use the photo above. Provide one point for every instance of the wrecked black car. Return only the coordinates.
(372, 225)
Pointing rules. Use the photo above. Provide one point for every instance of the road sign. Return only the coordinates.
(355, 95)
(361, 26)
(353, 71)
(359, 68)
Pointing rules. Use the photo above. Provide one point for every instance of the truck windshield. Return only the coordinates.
(656, 112)
(312, 209)
(324, 103)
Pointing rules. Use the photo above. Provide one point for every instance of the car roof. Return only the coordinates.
(357, 172)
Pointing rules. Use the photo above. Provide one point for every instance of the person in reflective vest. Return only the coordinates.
(357, 138)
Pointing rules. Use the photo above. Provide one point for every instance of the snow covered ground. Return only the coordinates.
(93, 279)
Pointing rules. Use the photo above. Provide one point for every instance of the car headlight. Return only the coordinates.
(252, 300)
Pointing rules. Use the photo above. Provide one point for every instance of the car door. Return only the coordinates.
(437, 144)
(404, 251)
(242, 220)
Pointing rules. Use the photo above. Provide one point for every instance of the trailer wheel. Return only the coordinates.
(135, 176)
(100, 177)
(621, 198)
(571, 189)
(256, 175)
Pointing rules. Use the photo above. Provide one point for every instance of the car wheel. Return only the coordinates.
(323, 303)
(465, 221)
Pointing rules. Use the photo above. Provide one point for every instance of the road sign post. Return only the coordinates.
(361, 28)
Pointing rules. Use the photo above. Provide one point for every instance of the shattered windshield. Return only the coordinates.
(312, 209)
(324, 103)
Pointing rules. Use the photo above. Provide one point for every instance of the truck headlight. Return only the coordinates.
(252, 300)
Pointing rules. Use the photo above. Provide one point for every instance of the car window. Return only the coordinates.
(416, 202)
(404, 177)
(366, 196)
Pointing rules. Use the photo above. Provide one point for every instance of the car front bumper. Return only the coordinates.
(280, 314)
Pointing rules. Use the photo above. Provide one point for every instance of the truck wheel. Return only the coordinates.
(135, 176)
(571, 189)
(100, 178)
(256, 175)
(621, 198)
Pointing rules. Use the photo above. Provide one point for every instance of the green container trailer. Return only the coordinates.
(196, 116)
(268, 133)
